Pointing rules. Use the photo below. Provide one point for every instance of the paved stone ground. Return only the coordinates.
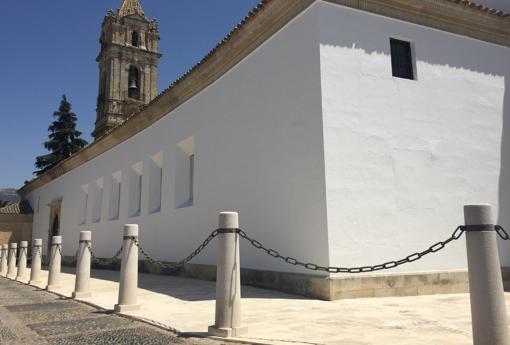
(31, 316)
(275, 318)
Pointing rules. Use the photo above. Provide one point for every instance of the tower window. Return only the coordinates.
(135, 39)
(134, 83)
(402, 62)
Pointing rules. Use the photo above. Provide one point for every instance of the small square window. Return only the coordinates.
(402, 63)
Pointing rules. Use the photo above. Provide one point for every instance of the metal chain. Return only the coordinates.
(182, 262)
(502, 232)
(95, 258)
(363, 269)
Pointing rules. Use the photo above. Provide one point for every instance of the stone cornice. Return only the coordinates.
(256, 28)
(447, 15)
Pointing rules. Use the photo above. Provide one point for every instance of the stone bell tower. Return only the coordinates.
(128, 65)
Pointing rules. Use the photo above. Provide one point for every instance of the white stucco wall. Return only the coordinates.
(257, 139)
(403, 156)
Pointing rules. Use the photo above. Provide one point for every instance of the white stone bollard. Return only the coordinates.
(128, 300)
(22, 261)
(488, 311)
(3, 261)
(82, 283)
(55, 263)
(35, 271)
(228, 280)
(11, 261)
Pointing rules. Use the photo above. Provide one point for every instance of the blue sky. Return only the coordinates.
(48, 48)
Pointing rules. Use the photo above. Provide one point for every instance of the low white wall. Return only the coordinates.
(257, 139)
(404, 156)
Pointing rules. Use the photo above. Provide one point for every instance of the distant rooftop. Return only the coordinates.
(22, 207)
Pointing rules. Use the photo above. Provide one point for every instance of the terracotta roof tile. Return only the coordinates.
(22, 207)
(479, 7)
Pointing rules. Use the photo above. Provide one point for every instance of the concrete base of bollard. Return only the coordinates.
(126, 308)
(227, 332)
(35, 282)
(11, 277)
(82, 294)
(53, 287)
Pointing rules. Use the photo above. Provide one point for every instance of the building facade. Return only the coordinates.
(344, 134)
(128, 65)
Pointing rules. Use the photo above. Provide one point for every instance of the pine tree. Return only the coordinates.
(64, 139)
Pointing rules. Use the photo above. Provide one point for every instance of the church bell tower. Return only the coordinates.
(128, 65)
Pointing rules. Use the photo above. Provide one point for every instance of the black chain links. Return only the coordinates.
(101, 260)
(181, 263)
(502, 232)
(363, 269)
(459, 231)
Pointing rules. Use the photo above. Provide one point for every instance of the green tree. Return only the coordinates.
(3, 203)
(64, 139)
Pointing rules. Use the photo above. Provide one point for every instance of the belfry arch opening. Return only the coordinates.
(135, 39)
(134, 83)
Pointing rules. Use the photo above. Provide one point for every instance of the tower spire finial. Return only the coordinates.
(129, 7)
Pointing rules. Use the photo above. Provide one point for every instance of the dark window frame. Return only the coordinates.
(402, 59)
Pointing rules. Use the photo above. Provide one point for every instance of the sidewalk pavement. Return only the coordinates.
(187, 305)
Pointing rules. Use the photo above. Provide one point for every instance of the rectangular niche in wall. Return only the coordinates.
(155, 182)
(115, 188)
(98, 201)
(84, 191)
(135, 189)
(184, 173)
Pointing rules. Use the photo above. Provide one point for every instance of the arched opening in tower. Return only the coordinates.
(135, 39)
(134, 83)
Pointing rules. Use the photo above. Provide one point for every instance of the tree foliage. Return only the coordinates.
(3, 203)
(64, 139)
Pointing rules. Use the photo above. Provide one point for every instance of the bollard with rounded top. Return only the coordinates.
(81, 286)
(22, 261)
(3, 261)
(55, 263)
(128, 300)
(228, 280)
(488, 311)
(11, 261)
(35, 271)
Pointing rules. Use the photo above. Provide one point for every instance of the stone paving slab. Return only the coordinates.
(61, 321)
(135, 336)
(55, 315)
(6, 335)
(79, 326)
(50, 306)
(187, 305)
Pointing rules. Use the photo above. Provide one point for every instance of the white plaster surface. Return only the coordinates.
(187, 305)
(402, 156)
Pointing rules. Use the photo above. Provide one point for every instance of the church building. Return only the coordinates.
(345, 133)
